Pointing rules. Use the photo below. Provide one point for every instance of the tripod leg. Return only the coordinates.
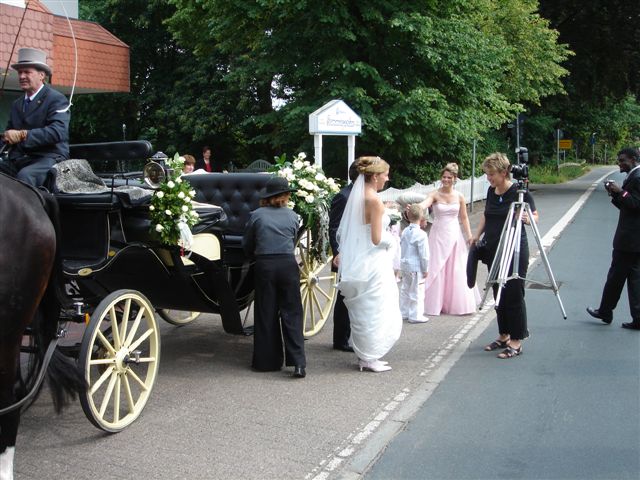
(502, 260)
(545, 260)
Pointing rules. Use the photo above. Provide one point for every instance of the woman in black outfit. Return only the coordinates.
(270, 237)
(512, 310)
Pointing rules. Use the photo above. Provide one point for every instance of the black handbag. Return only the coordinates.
(477, 253)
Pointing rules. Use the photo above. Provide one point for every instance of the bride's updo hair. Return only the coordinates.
(452, 168)
(369, 166)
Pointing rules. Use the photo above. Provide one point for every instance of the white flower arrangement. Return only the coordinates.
(171, 210)
(312, 197)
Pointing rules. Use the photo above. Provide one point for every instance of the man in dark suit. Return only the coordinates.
(38, 127)
(341, 323)
(625, 262)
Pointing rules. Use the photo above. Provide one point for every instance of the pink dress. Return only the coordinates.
(446, 285)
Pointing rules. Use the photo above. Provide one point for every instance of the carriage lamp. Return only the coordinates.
(154, 171)
(154, 174)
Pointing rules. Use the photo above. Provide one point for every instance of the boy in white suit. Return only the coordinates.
(414, 264)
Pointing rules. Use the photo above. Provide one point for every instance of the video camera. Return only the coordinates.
(520, 170)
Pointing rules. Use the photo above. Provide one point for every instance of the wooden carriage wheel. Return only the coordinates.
(317, 286)
(120, 354)
(177, 317)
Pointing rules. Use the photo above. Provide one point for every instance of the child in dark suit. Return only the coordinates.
(270, 237)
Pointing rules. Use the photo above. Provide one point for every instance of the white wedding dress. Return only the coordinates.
(369, 287)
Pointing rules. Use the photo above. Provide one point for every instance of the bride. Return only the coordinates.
(366, 278)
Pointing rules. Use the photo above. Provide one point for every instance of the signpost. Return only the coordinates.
(565, 144)
(335, 118)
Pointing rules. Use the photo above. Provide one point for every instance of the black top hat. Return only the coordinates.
(275, 186)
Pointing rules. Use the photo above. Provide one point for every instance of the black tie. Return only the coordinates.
(27, 101)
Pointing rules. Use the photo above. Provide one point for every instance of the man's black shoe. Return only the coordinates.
(594, 312)
(299, 372)
(343, 348)
(631, 325)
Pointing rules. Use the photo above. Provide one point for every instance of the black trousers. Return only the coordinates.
(512, 310)
(278, 314)
(625, 267)
(341, 322)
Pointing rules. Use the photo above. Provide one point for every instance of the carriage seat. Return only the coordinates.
(74, 182)
(238, 194)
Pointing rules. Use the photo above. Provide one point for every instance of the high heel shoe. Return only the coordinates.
(374, 366)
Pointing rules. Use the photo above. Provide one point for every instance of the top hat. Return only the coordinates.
(32, 57)
(275, 186)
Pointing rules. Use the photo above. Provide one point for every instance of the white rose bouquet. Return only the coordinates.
(171, 210)
(312, 197)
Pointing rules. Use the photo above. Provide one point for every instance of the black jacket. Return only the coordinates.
(627, 236)
(47, 125)
(335, 215)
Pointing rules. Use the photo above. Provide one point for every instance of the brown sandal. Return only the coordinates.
(510, 352)
(495, 345)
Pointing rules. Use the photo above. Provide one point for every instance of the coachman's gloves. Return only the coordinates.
(14, 136)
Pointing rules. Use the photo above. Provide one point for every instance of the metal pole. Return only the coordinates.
(518, 131)
(558, 148)
(473, 174)
(605, 153)
(124, 132)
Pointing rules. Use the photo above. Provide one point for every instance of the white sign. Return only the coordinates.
(335, 118)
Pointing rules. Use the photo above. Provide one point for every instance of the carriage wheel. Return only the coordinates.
(317, 287)
(177, 317)
(120, 354)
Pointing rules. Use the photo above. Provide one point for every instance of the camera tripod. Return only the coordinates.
(508, 253)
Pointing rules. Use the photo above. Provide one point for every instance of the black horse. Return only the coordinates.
(28, 299)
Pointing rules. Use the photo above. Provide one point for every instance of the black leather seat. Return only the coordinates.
(238, 194)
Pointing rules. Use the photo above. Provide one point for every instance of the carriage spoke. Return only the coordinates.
(146, 360)
(106, 344)
(142, 338)
(137, 379)
(102, 361)
(114, 327)
(125, 318)
(108, 393)
(312, 313)
(323, 293)
(96, 386)
(317, 303)
(116, 399)
(127, 389)
(134, 327)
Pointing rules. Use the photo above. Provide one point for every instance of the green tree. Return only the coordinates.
(426, 77)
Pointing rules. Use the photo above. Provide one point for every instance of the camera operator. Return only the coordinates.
(511, 311)
(625, 259)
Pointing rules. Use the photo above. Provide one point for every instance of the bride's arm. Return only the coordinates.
(376, 210)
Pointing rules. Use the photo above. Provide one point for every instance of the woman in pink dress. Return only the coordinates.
(446, 284)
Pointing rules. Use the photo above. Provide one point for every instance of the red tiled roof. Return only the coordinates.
(103, 60)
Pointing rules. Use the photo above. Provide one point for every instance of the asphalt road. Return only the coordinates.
(211, 417)
(568, 408)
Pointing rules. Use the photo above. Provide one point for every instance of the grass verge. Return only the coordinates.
(549, 174)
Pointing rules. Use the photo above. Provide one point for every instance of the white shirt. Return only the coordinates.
(414, 245)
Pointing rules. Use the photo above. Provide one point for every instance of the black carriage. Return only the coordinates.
(117, 276)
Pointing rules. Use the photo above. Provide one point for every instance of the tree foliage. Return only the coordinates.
(427, 77)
